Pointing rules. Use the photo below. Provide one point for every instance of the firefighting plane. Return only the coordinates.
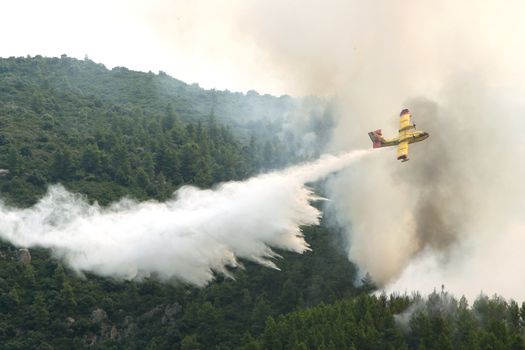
(407, 134)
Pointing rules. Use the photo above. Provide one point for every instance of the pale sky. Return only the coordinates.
(279, 47)
(193, 41)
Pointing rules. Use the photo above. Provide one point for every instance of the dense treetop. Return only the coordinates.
(113, 132)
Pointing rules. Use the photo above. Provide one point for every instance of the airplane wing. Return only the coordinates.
(405, 122)
(402, 151)
(405, 125)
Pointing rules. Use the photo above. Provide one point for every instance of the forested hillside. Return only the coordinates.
(75, 122)
(114, 133)
(399, 322)
(110, 134)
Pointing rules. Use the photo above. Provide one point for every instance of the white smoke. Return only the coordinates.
(453, 215)
(188, 238)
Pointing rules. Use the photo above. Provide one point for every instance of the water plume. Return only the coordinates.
(198, 233)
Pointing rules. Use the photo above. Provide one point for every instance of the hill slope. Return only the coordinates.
(117, 133)
(109, 134)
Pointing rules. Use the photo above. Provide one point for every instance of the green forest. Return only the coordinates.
(114, 133)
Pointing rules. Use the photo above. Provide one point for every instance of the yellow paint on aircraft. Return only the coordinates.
(407, 135)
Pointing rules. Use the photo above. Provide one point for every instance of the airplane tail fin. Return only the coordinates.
(376, 137)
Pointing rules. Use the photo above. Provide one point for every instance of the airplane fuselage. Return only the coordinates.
(410, 136)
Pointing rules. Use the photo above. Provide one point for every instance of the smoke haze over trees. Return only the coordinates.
(458, 66)
(108, 134)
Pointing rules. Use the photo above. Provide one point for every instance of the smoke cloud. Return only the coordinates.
(187, 238)
(453, 215)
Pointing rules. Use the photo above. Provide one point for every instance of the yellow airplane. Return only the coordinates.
(407, 134)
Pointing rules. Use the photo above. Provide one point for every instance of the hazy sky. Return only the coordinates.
(297, 47)
(195, 41)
